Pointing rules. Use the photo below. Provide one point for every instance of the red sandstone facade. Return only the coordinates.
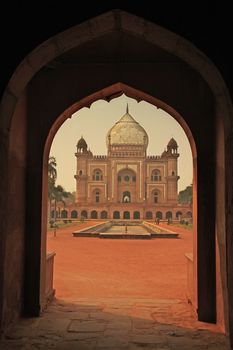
(126, 184)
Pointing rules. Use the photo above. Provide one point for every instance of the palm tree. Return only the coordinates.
(59, 195)
(52, 176)
(52, 171)
(55, 193)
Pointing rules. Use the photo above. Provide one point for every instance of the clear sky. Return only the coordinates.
(93, 124)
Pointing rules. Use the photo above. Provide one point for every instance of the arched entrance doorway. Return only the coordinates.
(94, 214)
(200, 79)
(74, 214)
(149, 215)
(126, 215)
(104, 215)
(136, 215)
(116, 215)
(126, 186)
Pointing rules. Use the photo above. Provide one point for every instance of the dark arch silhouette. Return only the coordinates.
(211, 84)
(116, 215)
(126, 215)
(136, 215)
(74, 214)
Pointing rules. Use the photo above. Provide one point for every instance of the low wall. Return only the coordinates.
(126, 222)
(49, 290)
(159, 232)
(101, 227)
(190, 289)
(154, 227)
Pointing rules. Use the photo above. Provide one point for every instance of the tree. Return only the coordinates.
(52, 171)
(186, 196)
(70, 198)
(52, 176)
(57, 193)
(60, 195)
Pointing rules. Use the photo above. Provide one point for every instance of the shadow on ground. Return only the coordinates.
(115, 324)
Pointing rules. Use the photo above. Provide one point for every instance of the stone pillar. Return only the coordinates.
(206, 252)
(229, 229)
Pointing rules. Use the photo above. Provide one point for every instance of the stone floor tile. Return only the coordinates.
(20, 333)
(66, 326)
(113, 342)
(148, 339)
(83, 335)
(218, 347)
(144, 331)
(14, 345)
(120, 324)
(116, 332)
(118, 311)
(74, 345)
(186, 343)
(149, 347)
(88, 308)
(80, 316)
(141, 324)
(86, 326)
(56, 325)
(101, 315)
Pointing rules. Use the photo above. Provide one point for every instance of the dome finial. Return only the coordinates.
(127, 109)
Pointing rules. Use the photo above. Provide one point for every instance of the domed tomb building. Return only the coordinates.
(127, 184)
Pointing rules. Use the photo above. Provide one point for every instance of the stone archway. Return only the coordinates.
(126, 186)
(23, 139)
(126, 215)
(116, 215)
(74, 214)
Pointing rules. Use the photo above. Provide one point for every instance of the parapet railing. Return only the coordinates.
(190, 285)
(49, 290)
(93, 228)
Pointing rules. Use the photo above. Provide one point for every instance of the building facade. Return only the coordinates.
(126, 183)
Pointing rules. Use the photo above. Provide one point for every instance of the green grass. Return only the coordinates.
(62, 224)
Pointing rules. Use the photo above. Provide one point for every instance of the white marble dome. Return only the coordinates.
(127, 132)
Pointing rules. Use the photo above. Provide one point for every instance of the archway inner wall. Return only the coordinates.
(72, 84)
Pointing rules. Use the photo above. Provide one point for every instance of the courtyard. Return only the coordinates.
(117, 294)
(99, 268)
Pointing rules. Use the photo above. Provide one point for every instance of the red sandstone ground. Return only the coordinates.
(101, 268)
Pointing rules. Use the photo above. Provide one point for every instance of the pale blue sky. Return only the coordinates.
(93, 124)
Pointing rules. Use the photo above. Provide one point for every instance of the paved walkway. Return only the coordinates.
(115, 324)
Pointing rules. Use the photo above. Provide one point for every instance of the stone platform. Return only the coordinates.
(111, 230)
(120, 235)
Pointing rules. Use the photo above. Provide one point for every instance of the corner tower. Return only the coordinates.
(82, 155)
(172, 170)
